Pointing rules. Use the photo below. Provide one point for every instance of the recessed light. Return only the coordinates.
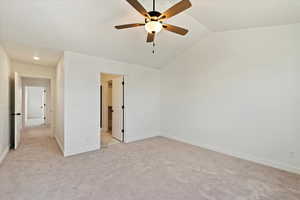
(36, 58)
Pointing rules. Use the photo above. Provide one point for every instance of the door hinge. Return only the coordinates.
(123, 107)
(123, 83)
(122, 130)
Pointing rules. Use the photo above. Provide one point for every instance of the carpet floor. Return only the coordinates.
(152, 169)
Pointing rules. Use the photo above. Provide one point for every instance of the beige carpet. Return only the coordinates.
(152, 169)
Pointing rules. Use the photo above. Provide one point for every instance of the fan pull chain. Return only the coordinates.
(153, 51)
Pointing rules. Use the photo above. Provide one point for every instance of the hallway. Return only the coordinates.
(36, 141)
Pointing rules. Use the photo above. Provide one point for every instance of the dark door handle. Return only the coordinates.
(14, 114)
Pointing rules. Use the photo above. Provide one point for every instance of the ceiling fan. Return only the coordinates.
(154, 19)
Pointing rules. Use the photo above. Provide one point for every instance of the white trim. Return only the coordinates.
(4, 154)
(124, 93)
(244, 156)
(136, 138)
(59, 144)
(82, 150)
(52, 85)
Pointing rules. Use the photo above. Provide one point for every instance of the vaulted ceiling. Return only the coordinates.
(47, 28)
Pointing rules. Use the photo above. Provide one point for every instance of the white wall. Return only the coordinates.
(238, 92)
(60, 105)
(82, 97)
(4, 104)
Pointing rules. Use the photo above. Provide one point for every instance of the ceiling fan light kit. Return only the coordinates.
(153, 26)
(154, 19)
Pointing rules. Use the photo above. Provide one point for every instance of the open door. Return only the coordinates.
(117, 107)
(17, 115)
(36, 106)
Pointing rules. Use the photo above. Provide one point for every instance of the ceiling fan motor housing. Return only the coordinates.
(154, 16)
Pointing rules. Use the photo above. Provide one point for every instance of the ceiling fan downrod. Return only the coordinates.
(153, 51)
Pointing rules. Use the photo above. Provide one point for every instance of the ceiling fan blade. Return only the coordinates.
(175, 29)
(150, 37)
(176, 9)
(128, 26)
(138, 7)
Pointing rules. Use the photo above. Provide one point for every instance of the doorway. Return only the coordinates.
(31, 106)
(112, 109)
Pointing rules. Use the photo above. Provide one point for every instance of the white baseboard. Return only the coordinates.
(61, 147)
(129, 138)
(244, 156)
(82, 150)
(3, 154)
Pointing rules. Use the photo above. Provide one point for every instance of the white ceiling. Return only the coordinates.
(25, 53)
(222, 15)
(49, 27)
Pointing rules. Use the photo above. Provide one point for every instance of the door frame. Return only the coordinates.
(15, 131)
(124, 91)
(52, 91)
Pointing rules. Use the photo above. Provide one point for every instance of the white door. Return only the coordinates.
(35, 103)
(117, 103)
(18, 111)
